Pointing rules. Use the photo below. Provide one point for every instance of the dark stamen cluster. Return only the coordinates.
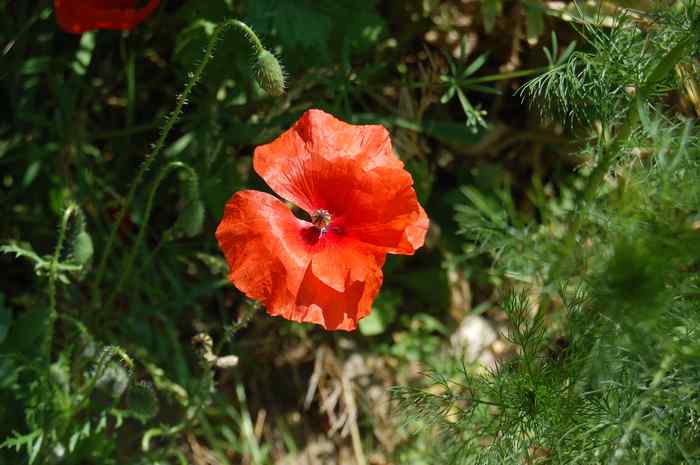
(321, 219)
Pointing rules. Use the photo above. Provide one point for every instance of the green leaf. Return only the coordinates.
(84, 54)
(383, 314)
(475, 65)
(474, 115)
(488, 207)
(31, 172)
(535, 22)
(490, 10)
(667, 63)
(32, 442)
(179, 146)
(448, 94)
(41, 265)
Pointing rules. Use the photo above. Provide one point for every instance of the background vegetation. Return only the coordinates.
(551, 318)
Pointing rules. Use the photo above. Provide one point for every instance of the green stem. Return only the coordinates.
(53, 273)
(481, 79)
(503, 76)
(170, 121)
(126, 270)
(249, 34)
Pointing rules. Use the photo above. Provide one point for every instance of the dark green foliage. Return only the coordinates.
(613, 259)
(623, 61)
(584, 231)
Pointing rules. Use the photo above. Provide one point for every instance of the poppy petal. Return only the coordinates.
(284, 162)
(386, 212)
(368, 145)
(362, 206)
(341, 260)
(264, 247)
(321, 304)
(271, 261)
(77, 16)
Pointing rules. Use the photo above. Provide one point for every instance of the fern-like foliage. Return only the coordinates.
(613, 257)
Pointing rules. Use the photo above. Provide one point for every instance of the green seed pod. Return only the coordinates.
(141, 400)
(269, 73)
(82, 248)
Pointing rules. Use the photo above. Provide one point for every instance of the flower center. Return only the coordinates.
(321, 219)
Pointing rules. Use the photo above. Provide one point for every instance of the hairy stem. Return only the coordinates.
(53, 274)
(129, 263)
(170, 121)
(249, 34)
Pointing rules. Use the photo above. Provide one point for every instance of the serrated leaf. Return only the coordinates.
(41, 264)
(18, 441)
(35, 448)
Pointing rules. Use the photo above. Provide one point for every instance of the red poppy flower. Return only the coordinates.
(361, 206)
(77, 16)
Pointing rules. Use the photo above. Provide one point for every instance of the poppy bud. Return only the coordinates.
(113, 380)
(269, 73)
(82, 248)
(191, 219)
(141, 400)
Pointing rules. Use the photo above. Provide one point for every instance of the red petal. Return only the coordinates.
(77, 16)
(330, 281)
(340, 260)
(263, 245)
(323, 305)
(283, 162)
(386, 213)
(351, 171)
(327, 276)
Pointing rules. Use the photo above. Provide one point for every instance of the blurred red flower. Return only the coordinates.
(361, 205)
(77, 16)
